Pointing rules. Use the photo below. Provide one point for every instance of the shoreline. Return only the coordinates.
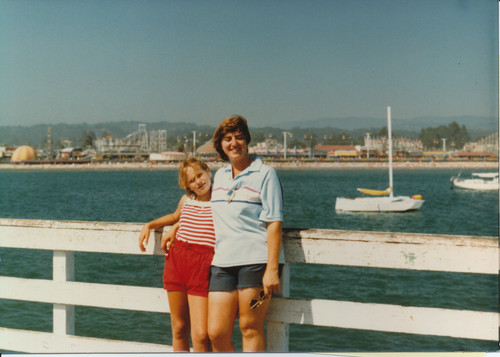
(278, 165)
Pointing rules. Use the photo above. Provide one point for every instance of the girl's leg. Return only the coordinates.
(222, 309)
(252, 320)
(179, 315)
(198, 312)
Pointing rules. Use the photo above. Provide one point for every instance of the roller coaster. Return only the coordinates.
(140, 141)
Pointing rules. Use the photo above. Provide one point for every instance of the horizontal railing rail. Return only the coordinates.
(429, 252)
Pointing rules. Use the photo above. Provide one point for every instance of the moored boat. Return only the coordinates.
(478, 181)
(380, 204)
(383, 200)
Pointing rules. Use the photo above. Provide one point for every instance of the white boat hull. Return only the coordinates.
(378, 204)
(476, 184)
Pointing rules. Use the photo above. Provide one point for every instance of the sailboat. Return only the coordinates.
(479, 181)
(380, 200)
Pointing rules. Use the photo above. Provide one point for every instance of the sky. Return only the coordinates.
(273, 61)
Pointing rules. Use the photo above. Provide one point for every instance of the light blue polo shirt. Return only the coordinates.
(241, 207)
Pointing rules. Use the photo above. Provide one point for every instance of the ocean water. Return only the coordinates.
(142, 195)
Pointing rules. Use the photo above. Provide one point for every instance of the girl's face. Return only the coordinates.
(234, 145)
(199, 181)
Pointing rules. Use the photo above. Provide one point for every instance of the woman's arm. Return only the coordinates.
(166, 220)
(271, 280)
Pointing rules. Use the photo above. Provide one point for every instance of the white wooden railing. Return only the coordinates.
(464, 254)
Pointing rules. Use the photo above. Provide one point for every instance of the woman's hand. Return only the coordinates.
(271, 282)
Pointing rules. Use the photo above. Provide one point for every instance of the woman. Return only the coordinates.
(247, 207)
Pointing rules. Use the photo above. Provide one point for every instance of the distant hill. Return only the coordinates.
(36, 134)
(414, 124)
(356, 127)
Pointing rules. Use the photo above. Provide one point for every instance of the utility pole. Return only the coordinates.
(194, 142)
(48, 154)
(285, 133)
(367, 144)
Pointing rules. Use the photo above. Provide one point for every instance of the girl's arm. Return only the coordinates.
(271, 280)
(166, 220)
(168, 238)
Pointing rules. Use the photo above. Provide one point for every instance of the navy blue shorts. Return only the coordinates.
(237, 277)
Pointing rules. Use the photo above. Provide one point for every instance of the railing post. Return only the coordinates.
(63, 269)
(157, 234)
(277, 339)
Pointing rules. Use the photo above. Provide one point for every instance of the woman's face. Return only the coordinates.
(235, 146)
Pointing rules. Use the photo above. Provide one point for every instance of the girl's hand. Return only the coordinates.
(166, 220)
(144, 237)
(168, 238)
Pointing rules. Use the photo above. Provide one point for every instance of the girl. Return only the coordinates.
(187, 266)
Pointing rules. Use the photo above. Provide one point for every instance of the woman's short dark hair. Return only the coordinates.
(229, 125)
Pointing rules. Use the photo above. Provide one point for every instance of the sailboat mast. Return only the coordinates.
(389, 139)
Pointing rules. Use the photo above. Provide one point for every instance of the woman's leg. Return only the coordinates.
(179, 315)
(252, 320)
(222, 309)
(198, 314)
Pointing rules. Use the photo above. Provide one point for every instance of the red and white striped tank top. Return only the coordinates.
(196, 223)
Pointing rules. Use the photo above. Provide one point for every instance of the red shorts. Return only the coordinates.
(187, 268)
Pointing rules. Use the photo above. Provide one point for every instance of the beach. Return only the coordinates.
(485, 165)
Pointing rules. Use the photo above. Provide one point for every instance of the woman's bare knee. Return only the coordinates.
(216, 335)
(220, 340)
(253, 340)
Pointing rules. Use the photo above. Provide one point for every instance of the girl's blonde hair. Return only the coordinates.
(191, 162)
